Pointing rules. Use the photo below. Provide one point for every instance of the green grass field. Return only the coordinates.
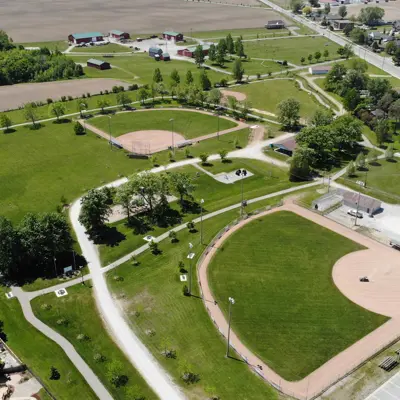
(106, 49)
(247, 33)
(288, 310)
(153, 299)
(291, 49)
(266, 95)
(79, 309)
(60, 45)
(189, 124)
(40, 353)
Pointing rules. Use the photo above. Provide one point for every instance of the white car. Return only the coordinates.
(354, 213)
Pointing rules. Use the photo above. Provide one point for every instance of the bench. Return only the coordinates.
(388, 363)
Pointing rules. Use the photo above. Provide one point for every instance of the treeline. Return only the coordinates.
(37, 247)
(18, 65)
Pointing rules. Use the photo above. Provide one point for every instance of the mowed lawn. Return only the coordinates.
(80, 312)
(151, 295)
(105, 49)
(190, 124)
(246, 33)
(291, 49)
(40, 166)
(288, 310)
(266, 95)
(40, 353)
(60, 45)
(252, 66)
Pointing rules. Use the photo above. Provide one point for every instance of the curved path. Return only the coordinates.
(379, 262)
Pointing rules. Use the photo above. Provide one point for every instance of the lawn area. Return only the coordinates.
(60, 45)
(247, 33)
(40, 166)
(106, 49)
(266, 95)
(80, 312)
(113, 73)
(288, 310)
(40, 353)
(291, 49)
(190, 124)
(153, 299)
(142, 66)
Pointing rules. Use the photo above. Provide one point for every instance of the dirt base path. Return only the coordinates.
(345, 274)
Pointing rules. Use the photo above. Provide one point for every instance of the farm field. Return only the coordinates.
(309, 326)
(266, 95)
(291, 49)
(188, 123)
(79, 309)
(182, 323)
(27, 343)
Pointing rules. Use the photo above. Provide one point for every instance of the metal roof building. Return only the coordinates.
(85, 37)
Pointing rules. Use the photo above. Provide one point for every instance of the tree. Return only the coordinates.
(153, 246)
(157, 77)
(347, 29)
(245, 107)
(346, 131)
(394, 110)
(189, 77)
(373, 156)
(123, 99)
(389, 153)
(182, 184)
(199, 55)
(103, 103)
(382, 131)
(239, 49)
(335, 76)
(205, 83)
(54, 374)
(125, 197)
(115, 374)
(95, 210)
(310, 57)
(342, 11)
(307, 10)
(296, 5)
(327, 8)
(79, 129)
(360, 161)
(302, 60)
(223, 154)
(326, 54)
(30, 113)
(9, 248)
(396, 57)
(358, 65)
(203, 158)
(350, 170)
(358, 35)
(314, 3)
(212, 53)
(351, 99)
(57, 110)
(143, 95)
(175, 78)
(230, 46)
(377, 88)
(300, 165)
(386, 101)
(391, 48)
(232, 103)
(81, 105)
(215, 96)
(5, 121)
(220, 58)
(317, 55)
(321, 118)
(371, 15)
(222, 47)
(238, 70)
(288, 112)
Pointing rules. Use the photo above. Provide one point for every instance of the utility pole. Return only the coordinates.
(231, 301)
(201, 220)
(218, 124)
(190, 257)
(365, 180)
(329, 183)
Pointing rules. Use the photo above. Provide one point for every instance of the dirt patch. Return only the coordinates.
(147, 142)
(142, 302)
(14, 96)
(55, 20)
(239, 96)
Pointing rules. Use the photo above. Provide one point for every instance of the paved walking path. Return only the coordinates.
(343, 275)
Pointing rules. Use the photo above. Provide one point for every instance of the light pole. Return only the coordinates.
(201, 220)
(55, 265)
(242, 173)
(190, 257)
(231, 302)
(172, 134)
(358, 206)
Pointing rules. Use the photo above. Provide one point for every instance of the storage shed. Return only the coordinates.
(319, 70)
(86, 37)
(275, 24)
(119, 34)
(189, 51)
(98, 64)
(170, 35)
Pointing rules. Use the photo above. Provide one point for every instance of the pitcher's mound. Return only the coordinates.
(148, 142)
(238, 95)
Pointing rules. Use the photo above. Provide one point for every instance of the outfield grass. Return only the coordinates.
(266, 95)
(60, 45)
(189, 124)
(79, 309)
(106, 49)
(153, 299)
(287, 310)
(291, 49)
(40, 353)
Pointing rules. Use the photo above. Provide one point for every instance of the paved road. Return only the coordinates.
(70, 351)
(384, 63)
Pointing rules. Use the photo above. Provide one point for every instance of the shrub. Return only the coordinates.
(84, 96)
(115, 89)
(88, 94)
(187, 153)
(106, 92)
(70, 98)
(83, 338)
(181, 266)
(101, 92)
(99, 358)
(223, 82)
(134, 261)
(172, 236)
(121, 89)
(135, 86)
(154, 248)
(49, 101)
(118, 278)
(203, 158)
(191, 226)
(79, 129)
(63, 98)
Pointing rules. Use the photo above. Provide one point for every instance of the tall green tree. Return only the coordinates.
(182, 184)
(394, 110)
(212, 53)
(81, 104)
(103, 103)
(199, 55)
(215, 97)
(351, 99)
(5, 121)
(238, 70)
(360, 160)
(123, 99)
(222, 47)
(321, 118)
(57, 110)
(30, 113)
(220, 59)
(9, 248)
(189, 77)
(175, 78)
(288, 112)
(205, 82)
(157, 77)
(125, 197)
(342, 11)
(300, 164)
(143, 95)
(239, 49)
(382, 131)
(230, 46)
(371, 15)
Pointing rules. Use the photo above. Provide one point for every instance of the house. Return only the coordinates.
(119, 35)
(319, 69)
(86, 37)
(378, 113)
(165, 57)
(340, 24)
(378, 36)
(170, 35)
(275, 24)
(153, 51)
(287, 146)
(98, 64)
(189, 51)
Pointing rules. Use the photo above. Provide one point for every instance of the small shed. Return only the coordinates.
(275, 24)
(98, 64)
(153, 51)
(171, 35)
(319, 69)
(165, 57)
(116, 34)
(362, 202)
(287, 146)
(86, 37)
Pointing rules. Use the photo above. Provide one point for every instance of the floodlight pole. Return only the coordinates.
(365, 180)
(172, 134)
(231, 301)
(358, 206)
(241, 204)
(190, 257)
(201, 220)
(109, 130)
(55, 265)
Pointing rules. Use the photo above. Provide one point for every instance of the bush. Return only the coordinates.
(49, 101)
(153, 246)
(64, 98)
(134, 261)
(70, 98)
(121, 89)
(79, 129)
(88, 94)
(54, 374)
(172, 236)
(99, 358)
(187, 153)
(45, 306)
(191, 226)
(185, 290)
(135, 86)
(84, 96)
(203, 158)
(82, 337)
(223, 82)
(181, 266)
(115, 89)
(106, 92)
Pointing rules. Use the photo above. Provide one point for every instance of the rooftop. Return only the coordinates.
(86, 35)
(288, 144)
(275, 22)
(117, 32)
(171, 33)
(96, 62)
(193, 48)
(321, 68)
(365, 201)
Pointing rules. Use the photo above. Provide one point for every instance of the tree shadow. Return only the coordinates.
(391, 160)
(227, 161)
(375, 164)
(9, 130)
(190, 207)
(109, 236)
(62, 121)
(35, 127)
(168, 217)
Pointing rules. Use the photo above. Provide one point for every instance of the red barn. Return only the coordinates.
(119, 34)
(98, 64)
(189, 51)
(86, 37)
(176, 36)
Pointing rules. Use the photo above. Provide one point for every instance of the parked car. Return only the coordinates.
(395, 245)
(355, 213)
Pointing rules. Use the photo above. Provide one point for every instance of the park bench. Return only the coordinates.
(388, 363)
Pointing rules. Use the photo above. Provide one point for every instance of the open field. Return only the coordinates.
(62, 18)
(392, 9)
(249, 33)
(60, 45)
(190, 124)
(290, 49)
(106, 49)
(79, 309)
(266, 95)
(14, 96)
(180, 323)
(294, 334)
(28, 343)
